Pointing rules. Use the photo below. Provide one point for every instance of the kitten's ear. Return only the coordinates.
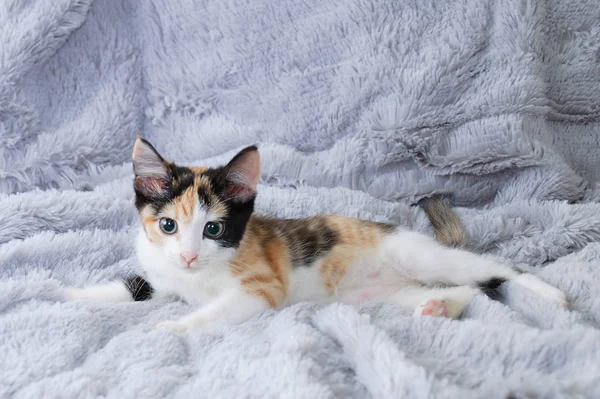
(151, 171)
(242, 174)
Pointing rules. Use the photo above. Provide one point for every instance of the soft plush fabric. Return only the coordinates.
(360, 107)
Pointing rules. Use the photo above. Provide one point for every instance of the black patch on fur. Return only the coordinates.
(490, 287)
(235, 223)
(204, 197)
(182, 179)
(139, 288)
(307, 239)
(238, 214)
(314, 244)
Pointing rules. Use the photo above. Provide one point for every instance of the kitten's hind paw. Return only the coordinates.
(543, 289)
(432, 307)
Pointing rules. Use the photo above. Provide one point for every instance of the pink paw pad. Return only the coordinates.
(434, 308)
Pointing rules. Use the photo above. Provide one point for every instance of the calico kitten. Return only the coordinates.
(200, 241)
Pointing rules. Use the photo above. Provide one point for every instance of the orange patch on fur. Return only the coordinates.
(355, 238)
(150, 224)
(278, 257)
(355, 232)
(257, 279)
(217, 207)
(256, 266)
(335, 265)
(352, 233)
(244, 261)
(152, 230)
(185, 203)
(198, 169)
(369, 235)
(263, 259)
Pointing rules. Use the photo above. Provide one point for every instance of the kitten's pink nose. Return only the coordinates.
(188, 257)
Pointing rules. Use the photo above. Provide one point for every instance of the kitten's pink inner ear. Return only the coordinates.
(151, 173)
(243, 173)
(150, 185)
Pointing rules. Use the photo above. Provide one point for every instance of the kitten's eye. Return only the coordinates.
(214, 229)
(168, 226)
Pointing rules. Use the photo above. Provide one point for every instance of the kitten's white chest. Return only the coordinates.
(196, 288)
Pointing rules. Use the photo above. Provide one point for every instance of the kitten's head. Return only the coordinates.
(193, 216)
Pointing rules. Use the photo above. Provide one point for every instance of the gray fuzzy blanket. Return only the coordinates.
(360, 108)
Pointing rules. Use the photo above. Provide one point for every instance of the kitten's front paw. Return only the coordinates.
(174, 326)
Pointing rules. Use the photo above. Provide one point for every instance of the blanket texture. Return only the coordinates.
(361, 108)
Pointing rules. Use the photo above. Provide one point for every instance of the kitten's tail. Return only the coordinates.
(446, 223)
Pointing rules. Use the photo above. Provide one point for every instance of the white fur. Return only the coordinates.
(232, 307)
(206, 282)
(398, 271)
(305, 285)
(110, 292)
(408, 257)
(201, 281)
(419, 257)
(544, 290)
(188, 238)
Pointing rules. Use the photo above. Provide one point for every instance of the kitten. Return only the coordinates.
(200, 241)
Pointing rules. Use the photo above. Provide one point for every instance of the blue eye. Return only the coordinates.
(214, 229)
(168, 226)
